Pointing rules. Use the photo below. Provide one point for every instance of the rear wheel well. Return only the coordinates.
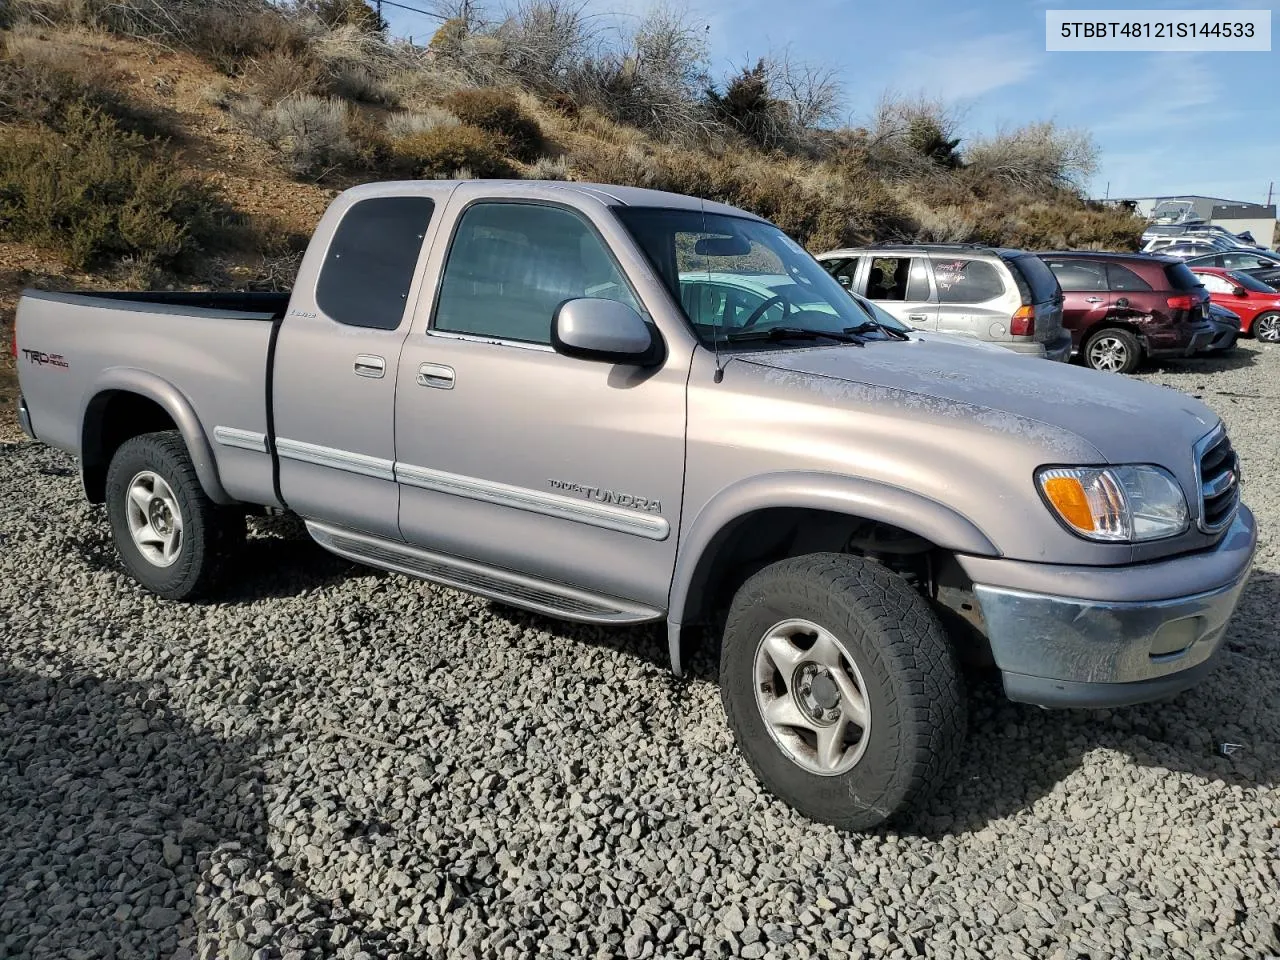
(113, 417)
(1107, 323)
(756, 540)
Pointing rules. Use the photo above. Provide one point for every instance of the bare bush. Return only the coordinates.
(279, 75)
(309, 132)
(1038, 156)
(812, 92)
(542, 40)
(548, 168)
(352, 81)
(911, 137)
(401, 125)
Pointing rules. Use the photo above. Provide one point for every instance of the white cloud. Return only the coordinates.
(965, 69)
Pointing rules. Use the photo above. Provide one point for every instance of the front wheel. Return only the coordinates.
(841, 689)
(1266, 327)
(172, 538)
(1113, 350)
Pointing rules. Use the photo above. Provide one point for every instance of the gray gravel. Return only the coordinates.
(339, 763)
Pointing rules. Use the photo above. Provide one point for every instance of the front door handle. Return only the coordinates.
(367, 365)
(917, 317)
(1092, 299)
(435, 375)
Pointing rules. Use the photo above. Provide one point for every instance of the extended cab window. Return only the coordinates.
(369, 268)
(512, 264)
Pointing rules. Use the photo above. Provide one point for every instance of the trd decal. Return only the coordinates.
(45, 359)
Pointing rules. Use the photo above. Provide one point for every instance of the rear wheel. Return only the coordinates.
(172, 538)
(841, 689)
(1266, 327)
(1113, 350)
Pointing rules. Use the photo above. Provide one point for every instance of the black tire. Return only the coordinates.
(1124, 346)
(209, 533)
(1266, 327)
(909, 669)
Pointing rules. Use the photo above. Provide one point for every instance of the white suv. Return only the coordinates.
(991, 294)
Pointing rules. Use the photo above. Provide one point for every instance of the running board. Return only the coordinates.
(552, 599)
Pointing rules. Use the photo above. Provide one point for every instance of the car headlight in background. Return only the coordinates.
(1116, 504)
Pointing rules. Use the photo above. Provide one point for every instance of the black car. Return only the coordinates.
(1260, 264)
(1226, 325)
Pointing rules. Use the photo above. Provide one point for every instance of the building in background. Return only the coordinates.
(1233, 215)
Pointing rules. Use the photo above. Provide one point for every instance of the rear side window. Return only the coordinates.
(1125, 280)
(369, 268)
(898, 278)
(1079, 275)
(1043, 284)
(1181, 277)
(966, 281)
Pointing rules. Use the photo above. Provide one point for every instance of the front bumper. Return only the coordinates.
(24, 417)
(1119, 638)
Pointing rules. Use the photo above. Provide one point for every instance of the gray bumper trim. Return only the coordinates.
(1070, 693)
(1074, 640)
(24, 417)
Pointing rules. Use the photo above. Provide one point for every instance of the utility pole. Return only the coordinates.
(1270, 187)
(1107, 195)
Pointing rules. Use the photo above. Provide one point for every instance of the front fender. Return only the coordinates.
(167, 396)
(852, 496)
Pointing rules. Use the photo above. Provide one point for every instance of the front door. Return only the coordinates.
(334, 371)
(511, 454)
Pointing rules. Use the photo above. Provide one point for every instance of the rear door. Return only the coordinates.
(334, 382)
(901, 284)
(1086, 294)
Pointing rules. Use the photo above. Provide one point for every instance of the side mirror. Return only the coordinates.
(606, 330)
(1239, 292)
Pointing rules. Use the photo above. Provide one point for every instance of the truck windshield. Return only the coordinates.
(735, 278)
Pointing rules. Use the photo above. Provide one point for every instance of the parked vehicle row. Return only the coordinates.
(1112, 311)
(616, 405)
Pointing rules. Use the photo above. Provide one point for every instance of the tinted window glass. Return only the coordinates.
(369, 268)
(1181, 277)
(1079, 274)
(1244, 261)
(1124, 279)
(898, 278)
(512, 264)
(966, 281)
(1250, 283)
(1044, 285)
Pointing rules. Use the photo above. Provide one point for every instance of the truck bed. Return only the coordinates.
(210, 349)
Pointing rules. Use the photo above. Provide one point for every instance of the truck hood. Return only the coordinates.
(1124, 420)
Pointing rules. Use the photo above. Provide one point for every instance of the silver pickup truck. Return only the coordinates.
(616, 405)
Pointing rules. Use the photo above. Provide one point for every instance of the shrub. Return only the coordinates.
(279, 75)
(443, 151)
(548, 168)
(40, 79)
(405, 124)
(498, 112)
(355, 82)
(748, 107)
(346, 13)
(94, 193)
(309, 132)
(1038, 156)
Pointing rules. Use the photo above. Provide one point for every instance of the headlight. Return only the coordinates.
(1118, 504)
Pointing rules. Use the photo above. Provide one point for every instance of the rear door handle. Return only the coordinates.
(367, 365)
(435, 375)
(1093, 299)
(918, 317)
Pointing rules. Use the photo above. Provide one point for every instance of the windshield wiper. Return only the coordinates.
(794, 333)
(868, 325)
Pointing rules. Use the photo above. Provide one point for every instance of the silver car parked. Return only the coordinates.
(991, 294)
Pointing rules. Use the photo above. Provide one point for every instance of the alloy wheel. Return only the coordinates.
(155, 520)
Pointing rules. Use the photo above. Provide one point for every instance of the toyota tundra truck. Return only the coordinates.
(616, 405)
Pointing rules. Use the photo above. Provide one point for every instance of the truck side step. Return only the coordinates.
(505, 586)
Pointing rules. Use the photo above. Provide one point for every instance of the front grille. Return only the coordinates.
(1219, 473)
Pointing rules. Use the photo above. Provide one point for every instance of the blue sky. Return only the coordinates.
(1165, 123)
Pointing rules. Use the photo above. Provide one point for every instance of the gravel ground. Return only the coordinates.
(335, 762)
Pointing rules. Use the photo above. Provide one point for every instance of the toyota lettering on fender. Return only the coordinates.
(843, 508)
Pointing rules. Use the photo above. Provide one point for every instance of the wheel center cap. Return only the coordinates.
(825, 692)
(159, 515)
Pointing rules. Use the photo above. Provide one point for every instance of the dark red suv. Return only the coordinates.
(1124, 307)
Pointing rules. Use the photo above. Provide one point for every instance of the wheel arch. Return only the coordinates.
(126, 402)
(803, 512)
